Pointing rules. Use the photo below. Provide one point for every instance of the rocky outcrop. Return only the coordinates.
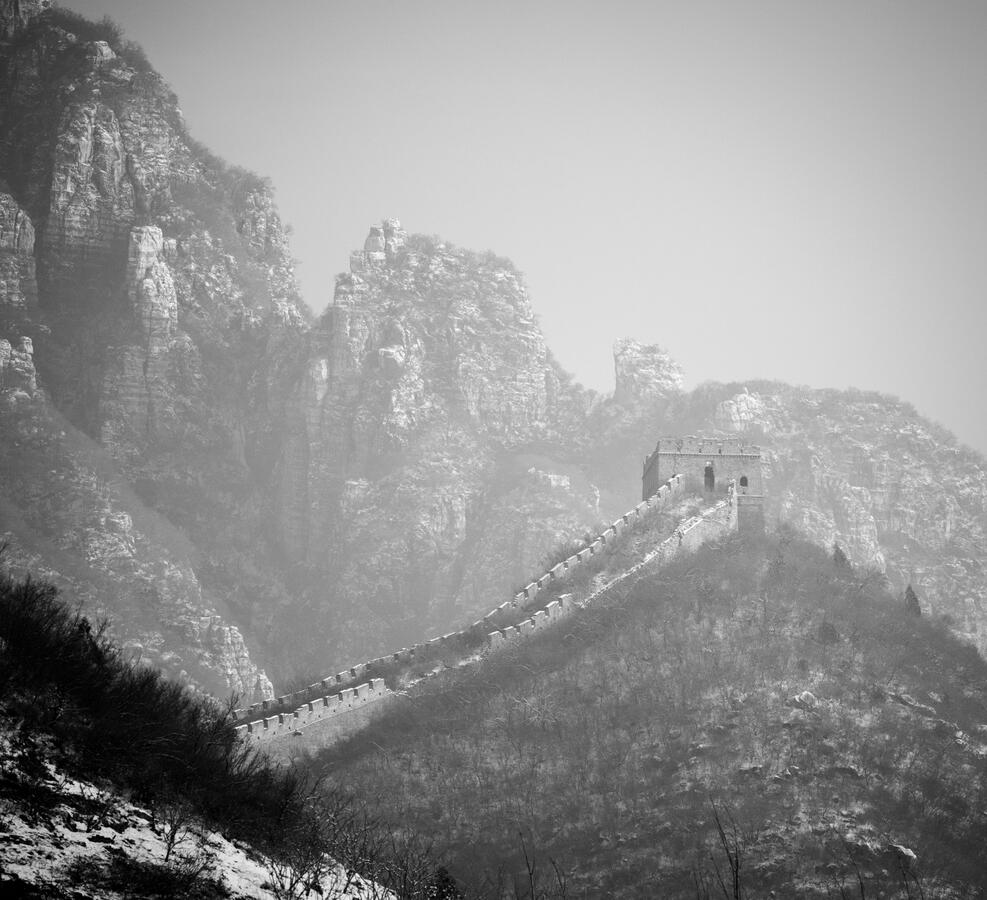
(16, 14)
(425, 377)
(135, 400)
(742, 412)
(18, 302)
(644, 373)
(18, 285)
(18, 379)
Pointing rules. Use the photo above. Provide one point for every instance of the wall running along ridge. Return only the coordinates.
(338, 714)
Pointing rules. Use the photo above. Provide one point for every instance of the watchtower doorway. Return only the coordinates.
(743, 484)
(709, 479)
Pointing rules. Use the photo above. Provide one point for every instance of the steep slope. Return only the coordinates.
(118, 782)
(836, 737)
(73, 839)
(896, 491)
(151, 281)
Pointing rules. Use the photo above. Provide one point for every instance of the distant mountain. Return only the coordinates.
(247, 491)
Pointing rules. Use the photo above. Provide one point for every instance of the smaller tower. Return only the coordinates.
(709, 465)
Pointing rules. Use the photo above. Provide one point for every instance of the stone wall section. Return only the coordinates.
(338, 713)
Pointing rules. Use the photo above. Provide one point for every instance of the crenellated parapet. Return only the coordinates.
(336, 707)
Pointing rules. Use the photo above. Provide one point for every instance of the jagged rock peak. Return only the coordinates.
(382, 244)
(16, 14)
(643, 372)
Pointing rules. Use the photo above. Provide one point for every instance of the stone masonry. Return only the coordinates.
(708, 465)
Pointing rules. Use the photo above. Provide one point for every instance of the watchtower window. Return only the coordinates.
(709, 480)
(743, 481)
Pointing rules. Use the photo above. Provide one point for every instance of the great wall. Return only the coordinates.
(336, 706)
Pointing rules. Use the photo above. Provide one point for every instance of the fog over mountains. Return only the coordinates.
(779, 191)
(293, 492)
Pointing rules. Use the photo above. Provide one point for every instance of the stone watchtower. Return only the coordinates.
(709, 465)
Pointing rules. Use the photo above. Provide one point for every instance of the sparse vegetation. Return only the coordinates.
(707, 686)
(85, 29)
(911, 602)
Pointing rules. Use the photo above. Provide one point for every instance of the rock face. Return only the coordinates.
(17, 373)
(17, 270)
(158, 270)
(644, 373)
(425, 380)
(742, 412)
(18, 302)
(137, 387)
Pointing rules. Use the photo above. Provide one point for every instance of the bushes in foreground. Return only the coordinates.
(120, 720)
(117, 720)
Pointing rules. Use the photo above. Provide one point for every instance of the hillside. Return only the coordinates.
(116, 782)
(839, 740)
(255, 494)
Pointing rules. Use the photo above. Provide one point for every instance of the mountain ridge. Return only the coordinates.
(760, 712)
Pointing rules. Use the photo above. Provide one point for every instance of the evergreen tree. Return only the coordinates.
(911, 602)
(443, 886)
(839, 557)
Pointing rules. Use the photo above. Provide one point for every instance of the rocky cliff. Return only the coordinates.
(145, 279)
(334, 480)
(427, 385)
(243, 489)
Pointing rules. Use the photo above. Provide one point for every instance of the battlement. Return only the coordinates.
(702, 446)
(707, 464)
(327, 711)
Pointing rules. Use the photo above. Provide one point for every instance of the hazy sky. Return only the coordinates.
(768, 189)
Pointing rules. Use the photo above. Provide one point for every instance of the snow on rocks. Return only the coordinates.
(74, 838)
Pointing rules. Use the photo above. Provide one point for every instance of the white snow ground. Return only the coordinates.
(77, 827)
